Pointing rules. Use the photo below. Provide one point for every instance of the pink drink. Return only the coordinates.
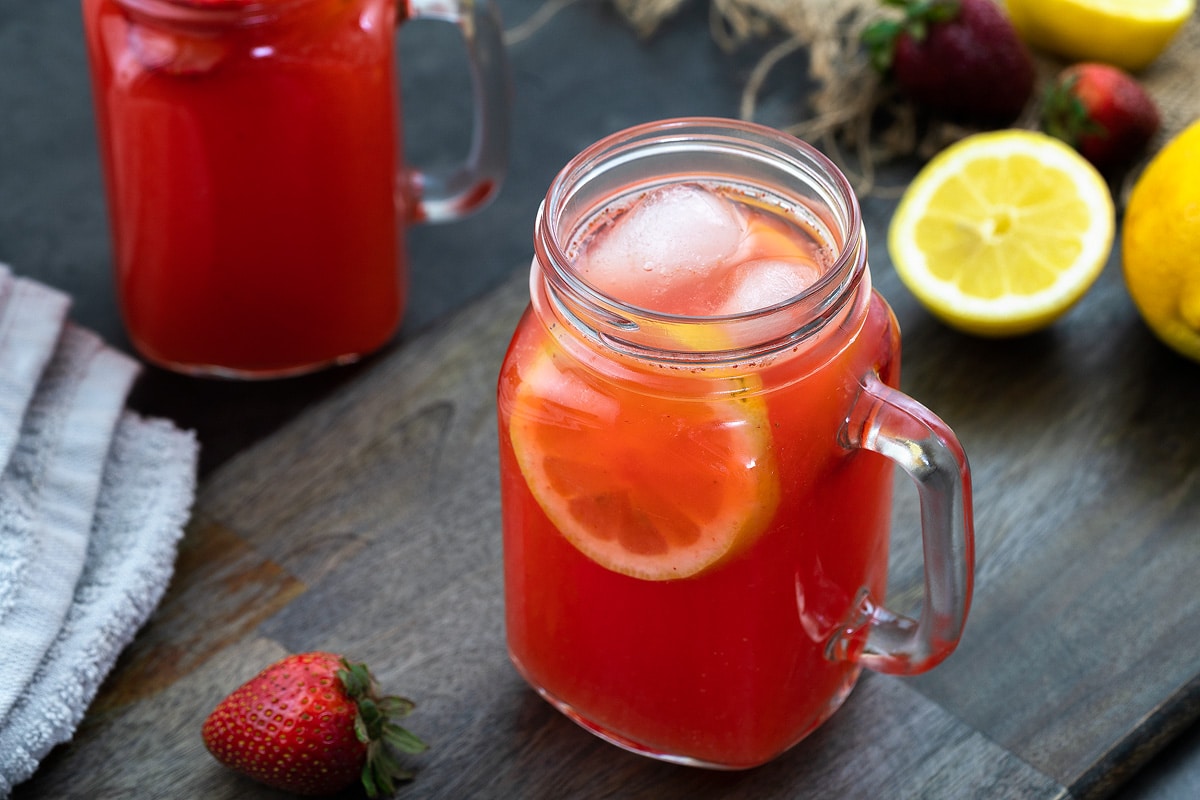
(701, 251)
(692, 414)
(675, 665)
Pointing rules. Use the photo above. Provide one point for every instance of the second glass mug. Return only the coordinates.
(257, 194)
(696, 505)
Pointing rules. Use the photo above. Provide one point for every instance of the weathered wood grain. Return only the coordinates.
(1083, 645)
(222, 590)
(370, 525)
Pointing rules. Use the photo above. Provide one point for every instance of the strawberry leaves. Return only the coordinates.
(958, 58)
(880, 36)
(314, 723)
(1101, 111)
(375, 728)
(1065, 117)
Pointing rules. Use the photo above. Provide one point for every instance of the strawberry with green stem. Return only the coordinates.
(313, 723)
(1103, 112)
(959, 58)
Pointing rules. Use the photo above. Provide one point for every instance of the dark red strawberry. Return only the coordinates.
(1101, 111)
(312, 724)
(959, 58)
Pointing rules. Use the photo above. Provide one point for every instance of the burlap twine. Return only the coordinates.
(854, 115)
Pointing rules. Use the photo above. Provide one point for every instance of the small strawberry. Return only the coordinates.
(1101, 111)
(312, 724)
(961, 58)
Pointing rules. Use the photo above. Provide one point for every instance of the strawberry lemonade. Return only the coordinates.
(692, 548)
(251, 178)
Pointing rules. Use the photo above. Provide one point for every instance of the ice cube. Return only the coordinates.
(670, 239)
(175, 54)
(763, 282)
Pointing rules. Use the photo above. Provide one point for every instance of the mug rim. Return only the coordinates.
(244, 12)
(813, 307)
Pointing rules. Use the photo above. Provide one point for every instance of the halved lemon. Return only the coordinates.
(1126, 33)
(652, 487)
(1001, 233)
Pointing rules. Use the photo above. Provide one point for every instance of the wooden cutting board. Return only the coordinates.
(371, 525)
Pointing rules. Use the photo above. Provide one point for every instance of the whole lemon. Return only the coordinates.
(1160, 243)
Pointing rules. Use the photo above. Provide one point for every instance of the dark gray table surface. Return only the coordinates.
(580, 77)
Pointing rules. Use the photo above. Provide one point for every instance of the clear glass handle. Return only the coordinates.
(442, 197)
(893, 424)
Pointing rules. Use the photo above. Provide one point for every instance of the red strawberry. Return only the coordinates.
(961, 58)
(1101, 111)
(312, 724)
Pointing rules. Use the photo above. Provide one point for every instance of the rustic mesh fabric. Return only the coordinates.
(843, 107)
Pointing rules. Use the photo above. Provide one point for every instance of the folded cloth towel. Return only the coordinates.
(48, 497)
(131, 556)
(31, 317)
(93, 500)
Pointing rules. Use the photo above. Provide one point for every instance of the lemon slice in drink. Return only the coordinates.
(1126, 33)
(1001, 233)
(651, 487)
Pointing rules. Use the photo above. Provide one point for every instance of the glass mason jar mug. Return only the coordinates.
(256, 191)
(698, 424)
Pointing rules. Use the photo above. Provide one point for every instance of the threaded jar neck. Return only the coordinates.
(211, 13)
(748, 157)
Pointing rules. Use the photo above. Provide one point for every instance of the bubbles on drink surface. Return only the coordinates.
(698, 250)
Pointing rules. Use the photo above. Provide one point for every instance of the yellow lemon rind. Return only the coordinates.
(724, 537)
(1009, 314)
(1159, 241)
(1124, 34)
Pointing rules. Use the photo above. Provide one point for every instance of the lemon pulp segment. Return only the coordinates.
(1001, 233)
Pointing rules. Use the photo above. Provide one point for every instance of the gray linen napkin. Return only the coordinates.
(93, 500)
